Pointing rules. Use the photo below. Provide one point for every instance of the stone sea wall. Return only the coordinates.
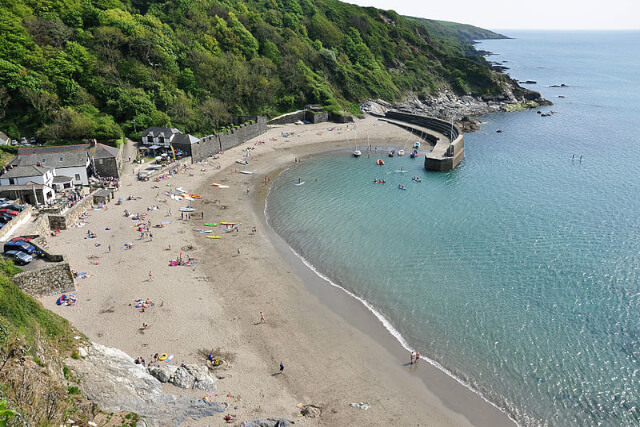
(51, 280)
(211, 145)
(62, 221)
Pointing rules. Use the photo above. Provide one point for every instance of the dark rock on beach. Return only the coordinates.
(269, 422)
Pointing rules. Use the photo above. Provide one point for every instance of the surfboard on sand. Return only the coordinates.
(211, 225)
(246, 172)
(215, 184)
(214, 237)
(228, 223)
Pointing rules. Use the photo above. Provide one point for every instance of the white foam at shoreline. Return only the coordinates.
(387, 325)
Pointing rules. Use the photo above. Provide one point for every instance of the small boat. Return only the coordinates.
(416, 179)
(400, 152)
(380, 162)
(401, 187)
(357, 153)
(392, 153)
(414, 154)
(242, 162)
(417, 144)
(187, 210)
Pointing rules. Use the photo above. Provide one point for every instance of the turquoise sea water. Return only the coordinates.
(519, 272)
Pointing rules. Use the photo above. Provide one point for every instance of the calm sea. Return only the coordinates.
(519, 272)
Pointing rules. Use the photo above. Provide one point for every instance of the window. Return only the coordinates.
(60, 158)
(161, 140)
(100, 161)
(44, 160)
(149, 139)
(12, 181)
(77, 177)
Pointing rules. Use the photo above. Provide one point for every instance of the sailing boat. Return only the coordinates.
(357, 153)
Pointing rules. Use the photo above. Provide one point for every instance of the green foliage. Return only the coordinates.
(21, 315)
(77, 69)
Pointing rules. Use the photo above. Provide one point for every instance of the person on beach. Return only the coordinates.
(413, 357)
(417, 357)
(281, 367)
(150, 276)
(262, 317)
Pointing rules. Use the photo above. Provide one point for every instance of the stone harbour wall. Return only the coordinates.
(62, 221)
(211, 145)
(51, 280)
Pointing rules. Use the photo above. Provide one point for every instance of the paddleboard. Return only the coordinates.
(300, 183)
(399, 171)
(214, 237)
(228, 223)
(187, 209)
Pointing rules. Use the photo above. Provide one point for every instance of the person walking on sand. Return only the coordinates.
(262, 317)
(150, 276)
(281, 367)
(413, 357)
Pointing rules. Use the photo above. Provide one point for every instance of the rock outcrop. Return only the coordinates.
(111, 379)
(463, 108)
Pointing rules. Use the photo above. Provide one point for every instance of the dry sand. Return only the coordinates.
(334, 351)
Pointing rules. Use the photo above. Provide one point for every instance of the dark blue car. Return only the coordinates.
(20, 246)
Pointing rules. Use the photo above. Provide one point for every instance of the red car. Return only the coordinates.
(9, 211)
(21, 239)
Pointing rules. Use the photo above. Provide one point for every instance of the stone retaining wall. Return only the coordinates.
(51, 280)
(17, 220)
(62, 221)
(213, 144)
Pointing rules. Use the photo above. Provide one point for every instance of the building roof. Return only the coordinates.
(102, 151)
(23, 171)
(160, 131)
(23, 187)
(61, 156)
(183, 139)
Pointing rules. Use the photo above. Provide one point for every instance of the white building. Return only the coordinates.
(36, 181)
(70, 161)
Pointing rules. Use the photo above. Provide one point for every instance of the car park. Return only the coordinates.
(19, 257)
(20, 246)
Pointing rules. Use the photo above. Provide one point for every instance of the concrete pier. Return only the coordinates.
(446, 141)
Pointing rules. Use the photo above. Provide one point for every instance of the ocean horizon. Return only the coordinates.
(516, 273)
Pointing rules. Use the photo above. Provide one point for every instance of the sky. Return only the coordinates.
(519, 14)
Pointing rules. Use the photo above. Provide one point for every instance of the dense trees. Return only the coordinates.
(74, 69)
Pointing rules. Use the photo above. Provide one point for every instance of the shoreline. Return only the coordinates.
(334, 354)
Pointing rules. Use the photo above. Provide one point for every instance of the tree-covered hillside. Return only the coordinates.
(74, 69)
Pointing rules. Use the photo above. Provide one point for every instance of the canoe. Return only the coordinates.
(214, 237)
(187, 210)
(196, 196)
(228, 223)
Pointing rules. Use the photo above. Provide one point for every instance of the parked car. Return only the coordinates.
(5, 217)
(14, 207)
(19, 257)
(9, 211)
(23, 141)
(20, 246)
(22, 239)
(33, 140)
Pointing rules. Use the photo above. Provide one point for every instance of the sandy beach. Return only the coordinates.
(334, 351)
